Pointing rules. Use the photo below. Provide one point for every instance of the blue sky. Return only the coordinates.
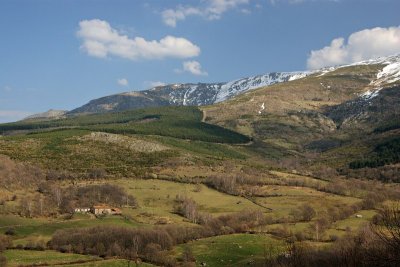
(61, 54)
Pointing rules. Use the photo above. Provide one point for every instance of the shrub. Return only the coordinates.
(5, 242)
(10, 231)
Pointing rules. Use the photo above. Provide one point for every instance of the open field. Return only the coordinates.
(41, 229)
(51, 258)
(48, 257)
(234, 250)
(352, 223)
(110, 263)
(161, 195)
(156, 201)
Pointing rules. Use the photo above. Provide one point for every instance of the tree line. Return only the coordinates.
(52, 199)
(383, 154)
(376, 245)
(152, 244)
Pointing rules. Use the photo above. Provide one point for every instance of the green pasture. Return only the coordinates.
(234, 250)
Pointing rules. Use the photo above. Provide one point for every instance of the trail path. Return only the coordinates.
(204, 116)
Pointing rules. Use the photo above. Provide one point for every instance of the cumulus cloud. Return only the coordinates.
(361, 45)
(99, 39)
(193, 67)
(123, 82)
(212, 10)
(13, 115)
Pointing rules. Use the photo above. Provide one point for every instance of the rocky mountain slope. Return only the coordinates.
(202, 94)
(349, 85)
(50, 114)
(185, 94)
(335, 112)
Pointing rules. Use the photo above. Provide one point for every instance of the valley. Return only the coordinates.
(302, 165)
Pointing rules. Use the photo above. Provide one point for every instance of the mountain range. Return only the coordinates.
(201, 94)
(188, 94)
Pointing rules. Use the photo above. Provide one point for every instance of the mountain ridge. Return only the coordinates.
(188, 94)
(203, 94)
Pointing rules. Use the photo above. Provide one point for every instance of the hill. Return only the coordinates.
(50, 114)
(120, 143)
(330, 116)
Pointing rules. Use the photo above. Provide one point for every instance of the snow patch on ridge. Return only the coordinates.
(236, 87)
(262, 108)
(388, 74)
(187, 94)
(370, 93)
(299, 75)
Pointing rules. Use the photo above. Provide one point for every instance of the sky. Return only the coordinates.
(60, 54)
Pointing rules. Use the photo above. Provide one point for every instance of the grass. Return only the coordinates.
(214, 150)
(35, 229)
(293, 227)
(111, 263)
(282, 205)
(179, 130)
(156, 199)
(297, 178)
(11, 220)
(291, 191)
(353, 222)
(48, 257)
(234, 250)
(64, 150)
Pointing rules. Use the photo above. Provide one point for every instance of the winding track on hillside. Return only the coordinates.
(204, 116)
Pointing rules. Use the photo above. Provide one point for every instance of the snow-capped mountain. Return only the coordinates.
(209, 93)
(231, 89)
(186, 94)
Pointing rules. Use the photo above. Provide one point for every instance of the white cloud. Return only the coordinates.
(361, 45)
(212, 10)
(152, 84)
(13, 115)
(123, 82)
(193, 67)
(101, 40)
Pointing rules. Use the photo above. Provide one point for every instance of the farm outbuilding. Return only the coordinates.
(104, 209)
(99, 209)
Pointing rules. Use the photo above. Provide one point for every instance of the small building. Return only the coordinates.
(82, 210)
(102, 209)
